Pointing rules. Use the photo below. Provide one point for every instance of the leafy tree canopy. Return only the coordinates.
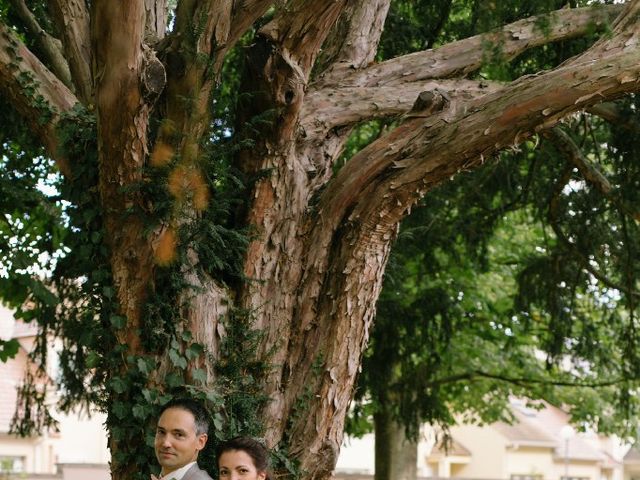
(208, 228)
(519, 278)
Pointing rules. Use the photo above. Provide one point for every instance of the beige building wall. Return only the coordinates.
(81, 440)
(529, 460)
(487, 460)
(35, 455)
(576, 468)
(85, 472)
(632, 471)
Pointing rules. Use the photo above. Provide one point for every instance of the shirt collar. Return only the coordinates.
(179, 473)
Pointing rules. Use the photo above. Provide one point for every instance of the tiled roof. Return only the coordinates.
(536, 428)
(525, 431)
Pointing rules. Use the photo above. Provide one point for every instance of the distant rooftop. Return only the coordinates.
(453, 448)
(632, 456)
(525, 431)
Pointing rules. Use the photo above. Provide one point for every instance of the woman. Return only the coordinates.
(243, 458)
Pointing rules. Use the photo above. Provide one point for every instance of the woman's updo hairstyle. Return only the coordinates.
(252, 447)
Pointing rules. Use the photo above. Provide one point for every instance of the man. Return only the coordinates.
(180, 435)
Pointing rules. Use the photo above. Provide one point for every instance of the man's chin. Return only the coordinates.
(167, 459)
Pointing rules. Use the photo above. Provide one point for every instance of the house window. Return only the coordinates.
(11, 464)
(528, 476)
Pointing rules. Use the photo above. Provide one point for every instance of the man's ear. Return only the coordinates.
(202, 441)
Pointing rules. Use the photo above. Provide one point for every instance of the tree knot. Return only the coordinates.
(430, 102)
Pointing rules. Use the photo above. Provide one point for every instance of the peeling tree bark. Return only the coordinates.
(50, 46)
(56, 97)
(72, 20)
(323, 239)
(123, 116)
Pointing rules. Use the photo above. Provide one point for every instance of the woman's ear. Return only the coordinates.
(262, 475)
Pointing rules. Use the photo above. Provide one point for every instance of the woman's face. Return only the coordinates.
(238, 465)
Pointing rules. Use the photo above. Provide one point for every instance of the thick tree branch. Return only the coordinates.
(72, 21)
(220, 24)
(327, 107)
(353, 41)
(156, 20)
(50, 46)
(123, 115)
(35, 92)
(355, 37)
(300, 29)
(465, 56)
(348, 106)
(243, 17)
(395, 165)
(608, 111)
(526, 381)
(625, 32)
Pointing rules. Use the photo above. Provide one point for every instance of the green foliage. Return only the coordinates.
(8, 349)
(517, 279)
(491, 270)
(479, 286)
(75, 298)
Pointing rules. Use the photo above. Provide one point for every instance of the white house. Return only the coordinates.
(539, 445)
(77, 451)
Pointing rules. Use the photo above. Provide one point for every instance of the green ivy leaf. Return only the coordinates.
(43, 294)
(118, 384)
(214, 398)
(194, 351)
(120, 410)
(139, 411)
(144, 366)
(174, 380)
(8, 349)
(92, 359)
(151, 396)
(117, 321)
(218, 421)
(200, 375)
(177, 359)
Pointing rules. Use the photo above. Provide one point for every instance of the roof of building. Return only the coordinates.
(453, 448)
(632, 456)
(525, 430)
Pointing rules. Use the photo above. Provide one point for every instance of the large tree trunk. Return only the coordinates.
(396, 455)
(322, 240)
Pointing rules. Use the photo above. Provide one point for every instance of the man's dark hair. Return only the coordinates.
(200, 414)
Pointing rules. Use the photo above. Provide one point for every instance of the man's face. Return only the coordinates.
(176, 441)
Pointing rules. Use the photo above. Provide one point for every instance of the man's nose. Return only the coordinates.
(166, 441)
